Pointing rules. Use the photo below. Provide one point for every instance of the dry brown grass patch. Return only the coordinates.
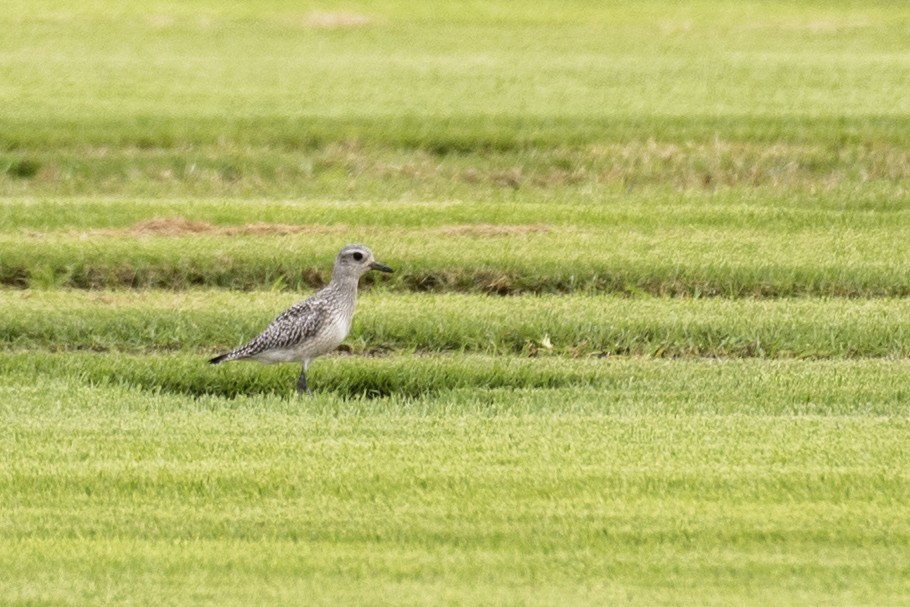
(489, 230)
(181, 226)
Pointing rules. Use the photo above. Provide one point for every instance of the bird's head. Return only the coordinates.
(354, 261)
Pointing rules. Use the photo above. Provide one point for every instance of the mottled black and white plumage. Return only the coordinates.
(315, 326)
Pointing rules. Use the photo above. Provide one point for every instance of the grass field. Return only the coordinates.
(646, 343)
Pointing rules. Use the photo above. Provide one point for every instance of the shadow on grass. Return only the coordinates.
(355, 379)
(348, 377)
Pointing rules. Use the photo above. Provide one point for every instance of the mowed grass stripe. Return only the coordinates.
(221, 145)
(236, 572)
(563, 172)
(207, 321)
(677, 259)
(143, 493)
(623, 463)
(878, 204)
(735, 243)
(483, 385)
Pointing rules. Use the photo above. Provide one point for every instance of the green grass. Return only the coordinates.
(833, 243)
(578, 326)
(390, 171)
(377, 101)
(646, 342)
(483, 385)
(138, 496)
(482, 77)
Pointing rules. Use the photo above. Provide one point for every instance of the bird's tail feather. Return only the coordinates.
(220, 358)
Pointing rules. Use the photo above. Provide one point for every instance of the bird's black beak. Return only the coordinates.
(375, 265)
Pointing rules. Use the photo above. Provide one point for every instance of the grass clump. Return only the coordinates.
(23, 168)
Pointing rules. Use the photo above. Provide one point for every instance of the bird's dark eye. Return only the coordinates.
(358, 256)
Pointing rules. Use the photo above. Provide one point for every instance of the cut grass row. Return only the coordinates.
(476, 385)
(871, 205)
(74, 144)
(580, 325)
(389, 171)
(691, 477)
(665, 260)
(735, 243)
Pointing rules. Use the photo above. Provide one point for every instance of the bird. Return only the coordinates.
(314, 326)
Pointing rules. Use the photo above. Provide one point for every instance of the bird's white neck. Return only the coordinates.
(344, 282)
(345, 289)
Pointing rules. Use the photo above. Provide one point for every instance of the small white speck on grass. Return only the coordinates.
(546, 343)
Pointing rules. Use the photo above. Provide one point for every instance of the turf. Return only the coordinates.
(380, 101)
(469, 385)
(837, 243)
(574, 326)
(137, 497)
(645, 343)
(483, 75)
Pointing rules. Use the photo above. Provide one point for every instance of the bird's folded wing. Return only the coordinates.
(293, 326)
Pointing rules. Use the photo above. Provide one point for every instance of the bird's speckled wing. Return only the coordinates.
(293, 326)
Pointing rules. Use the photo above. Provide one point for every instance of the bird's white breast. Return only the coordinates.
(328, 338)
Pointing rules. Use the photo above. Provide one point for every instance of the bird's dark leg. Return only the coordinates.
(301, 383)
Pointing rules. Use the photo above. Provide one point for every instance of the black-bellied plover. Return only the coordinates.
(316, 325)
